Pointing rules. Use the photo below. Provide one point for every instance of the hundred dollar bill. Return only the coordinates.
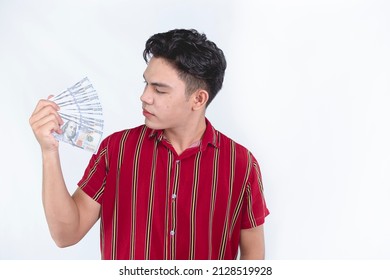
(82, 113)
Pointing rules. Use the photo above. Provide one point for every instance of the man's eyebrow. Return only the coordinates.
(158, 84)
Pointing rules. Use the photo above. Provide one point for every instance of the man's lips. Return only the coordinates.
(146, 113)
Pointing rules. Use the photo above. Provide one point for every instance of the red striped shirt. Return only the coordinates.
(158, 205)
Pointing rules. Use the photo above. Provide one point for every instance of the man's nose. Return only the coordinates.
(146, 96)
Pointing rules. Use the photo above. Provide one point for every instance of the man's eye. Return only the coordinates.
(159, 91)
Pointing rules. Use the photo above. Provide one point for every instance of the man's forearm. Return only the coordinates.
(60, 209)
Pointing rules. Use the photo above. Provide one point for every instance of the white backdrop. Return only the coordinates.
(306, 90)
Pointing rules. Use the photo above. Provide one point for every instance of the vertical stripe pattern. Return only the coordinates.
(224, 240)
(156, 204)
(150, 203)
(117, 196)
(194, 197)
(212, 200)
(167, 206)
(134, 193)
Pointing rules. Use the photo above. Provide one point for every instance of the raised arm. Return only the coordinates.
(69, 217)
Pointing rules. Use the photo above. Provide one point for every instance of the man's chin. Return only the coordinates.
(153, 125)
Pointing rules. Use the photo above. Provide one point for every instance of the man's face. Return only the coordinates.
(164, 101)
(71, 129)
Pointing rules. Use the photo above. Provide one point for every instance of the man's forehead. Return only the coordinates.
(157, 64)
(159, 72)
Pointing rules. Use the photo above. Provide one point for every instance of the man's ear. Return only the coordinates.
(200, 98)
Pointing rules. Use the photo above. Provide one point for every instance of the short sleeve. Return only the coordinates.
(254, 208)
(93, 181)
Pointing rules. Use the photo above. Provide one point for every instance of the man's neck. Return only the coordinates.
(185, 137)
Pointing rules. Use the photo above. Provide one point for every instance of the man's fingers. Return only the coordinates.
(45, 120)
(44, 111)
(43, 103)
(46, 125)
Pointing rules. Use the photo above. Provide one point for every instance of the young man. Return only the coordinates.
(174, 188)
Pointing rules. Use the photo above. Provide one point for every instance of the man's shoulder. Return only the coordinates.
(226, 141)
(228, 144)
(127, 133)
(132, 130)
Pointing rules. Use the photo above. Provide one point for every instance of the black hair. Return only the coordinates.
(199, 62)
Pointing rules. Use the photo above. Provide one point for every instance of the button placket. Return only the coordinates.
(173, 210)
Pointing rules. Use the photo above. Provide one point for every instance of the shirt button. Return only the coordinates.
(173, 196)
(172, 233)
(178, 161)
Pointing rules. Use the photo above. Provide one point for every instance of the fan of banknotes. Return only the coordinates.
(82, 114)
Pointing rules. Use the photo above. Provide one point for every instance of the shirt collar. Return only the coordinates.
(210, 136)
